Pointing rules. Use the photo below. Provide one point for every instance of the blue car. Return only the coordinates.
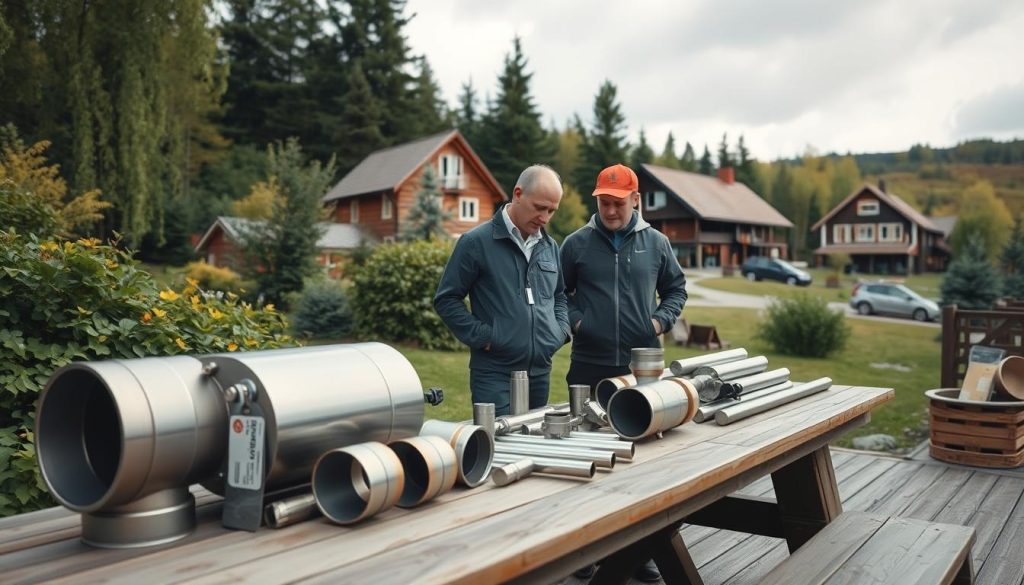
(763, 268)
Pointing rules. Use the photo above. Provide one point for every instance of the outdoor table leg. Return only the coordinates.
(667, 548)
(807, 495)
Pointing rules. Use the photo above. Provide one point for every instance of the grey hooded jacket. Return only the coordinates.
(612, 293)
(489, 266)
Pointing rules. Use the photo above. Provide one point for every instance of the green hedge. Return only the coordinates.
(64, 301)
(804, 326)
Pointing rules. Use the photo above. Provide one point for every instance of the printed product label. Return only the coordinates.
(245, 452)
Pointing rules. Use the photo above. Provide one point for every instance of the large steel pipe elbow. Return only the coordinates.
(642, 411)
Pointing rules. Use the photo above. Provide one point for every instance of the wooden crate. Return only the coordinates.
(986, 434)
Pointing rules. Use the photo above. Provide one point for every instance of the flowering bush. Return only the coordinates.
(63, 301)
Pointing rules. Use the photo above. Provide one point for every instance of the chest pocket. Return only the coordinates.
(546, 277)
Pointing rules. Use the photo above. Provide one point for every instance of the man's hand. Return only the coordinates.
(657, 326)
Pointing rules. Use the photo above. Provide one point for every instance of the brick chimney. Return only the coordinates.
(727, 175)
(881, 185)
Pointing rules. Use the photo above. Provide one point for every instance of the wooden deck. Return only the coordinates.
(991, 502)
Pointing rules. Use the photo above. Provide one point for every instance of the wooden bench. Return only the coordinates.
(680, 332)
(705, 336)
(860, 547)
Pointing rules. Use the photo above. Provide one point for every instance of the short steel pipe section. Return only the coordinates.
(604, 389)
(648, 409)
(735, 369)
(355, 482)
(687, 366)
(647, 363)
(551, 465)
(290, 511)
(474, 449)
(430, 468)
(508, 473)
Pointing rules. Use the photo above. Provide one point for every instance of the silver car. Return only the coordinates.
(893, 299)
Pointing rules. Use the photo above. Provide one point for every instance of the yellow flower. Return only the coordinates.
(49, 247)
(82, 311)
(88, 242)
(232, 346)
(180, 342)
(147, 317)
(269, 307)
(215, 313)
(250, 342)
(168, 295)
(232, 295)
(159, 313)
(195, 300)
(192, 282)
(69, 246)
(110, 264)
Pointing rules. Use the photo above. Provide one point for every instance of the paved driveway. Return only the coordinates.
(716, 298)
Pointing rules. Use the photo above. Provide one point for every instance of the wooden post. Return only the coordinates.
(808, 496)
(668, 550)
(947, 367)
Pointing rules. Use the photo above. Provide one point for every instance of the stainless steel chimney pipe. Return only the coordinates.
(290, 510)
(648, 409)
(511, 472)
(358, 481)
(687, 366)
(519, 392)
(474, 449)
(600, 458)
(736, 369)
(747, 408)
(647, 363)
(605, 388)
(706, 412)
(430, 468)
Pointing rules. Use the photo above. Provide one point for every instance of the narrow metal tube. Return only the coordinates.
(762, 380)
(600, 458)
(646, 363)
(430, 467)
(483, 417)
(648, 409)
(747, 408)
(622, 449)
(534, 428)
(474, 449)
(706, 412)
(512, 423)
(594, 435)
(511, 472)
(290, 511)
(734, 370)
(579, 394)
(356, 482)
(553, 465)
(519, 393)
(688, 365)
(595, 413)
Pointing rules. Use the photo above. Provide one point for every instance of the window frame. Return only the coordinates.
(475, 217)
(353, 211)
(867, 207)
(843, 229)
(865, 226)
(898, 232)
(387, 207)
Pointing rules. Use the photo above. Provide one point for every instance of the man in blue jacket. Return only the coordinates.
(510, 269)
(624, 286)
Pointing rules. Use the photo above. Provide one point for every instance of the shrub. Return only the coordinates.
(394, 292)
(804, 326)
(214, 277)
(63, 301)
(322, 311)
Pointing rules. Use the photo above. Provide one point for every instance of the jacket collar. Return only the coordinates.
(641, 223)
(499, 230)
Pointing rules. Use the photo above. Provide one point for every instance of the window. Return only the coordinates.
(890, 232)
(867, 207)
(449, 167)
(654, 200)
(385, 207)
(468, 207)
(866, 232)
(353, 211)
(841, 233)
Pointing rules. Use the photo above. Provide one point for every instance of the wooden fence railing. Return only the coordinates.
(1002, 328)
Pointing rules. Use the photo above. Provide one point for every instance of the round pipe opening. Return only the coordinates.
(630, 413)
(475, 462)
(79, 438)
(604, 391)
(417, 473)
(344, 487)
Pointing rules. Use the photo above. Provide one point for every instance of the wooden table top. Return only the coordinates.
(483, 535)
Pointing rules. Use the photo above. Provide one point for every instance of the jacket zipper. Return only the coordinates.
(529, 357)
(617, 313)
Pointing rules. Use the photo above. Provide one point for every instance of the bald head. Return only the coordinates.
(535, 198)
(537, 177)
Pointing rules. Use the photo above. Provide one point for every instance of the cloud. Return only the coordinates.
(997, 114)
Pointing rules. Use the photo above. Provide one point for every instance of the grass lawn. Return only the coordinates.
(908, 346)
(927, 285)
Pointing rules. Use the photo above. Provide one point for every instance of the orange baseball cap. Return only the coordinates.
(618, 181)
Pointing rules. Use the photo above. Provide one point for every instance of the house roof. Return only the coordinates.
(901, 207)
(713, 199)
(866, 249)
(335, 236)
(388, 168)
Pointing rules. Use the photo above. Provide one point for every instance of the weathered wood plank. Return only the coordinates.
(818, 561)
(808, 497)
(991, 515)
(1005, 562)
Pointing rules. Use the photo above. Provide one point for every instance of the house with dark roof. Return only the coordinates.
(220, 245)
(882, 234)
(711, 221)
(379, 192)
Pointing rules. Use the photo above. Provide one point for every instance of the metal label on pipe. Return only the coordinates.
(243, 494)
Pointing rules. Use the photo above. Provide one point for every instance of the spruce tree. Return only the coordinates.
(706, 167)
(360, 132)
(724, 157)
(428, 112)
(642, 152)
(1012, 263)
(688, 161)
(971, 281)
(467, 117)
(668, 158)
(426, 218)
(605, 143)
(744, 164)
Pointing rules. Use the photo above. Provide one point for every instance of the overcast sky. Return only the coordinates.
(860, 76)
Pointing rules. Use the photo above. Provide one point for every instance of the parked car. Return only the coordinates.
(763, 268)
(893, 299)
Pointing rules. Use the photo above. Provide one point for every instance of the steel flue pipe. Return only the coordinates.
(474, 449)
(483, 417)
(687, 366)
(552, 465)
(744, 386)
(512, 424)
(355, 482)
(430, 468)
(519, 392)
(648, 409)
(604, 459)
(734, 370)
(511, 472)
(622, 449)
(605, 388)
(579, 394)
(748, 408)
(646, 363)
(706, 412)
(290, 511)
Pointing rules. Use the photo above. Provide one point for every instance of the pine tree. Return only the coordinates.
(428, 111)
(1012, 262)
(513, 137)
(706, 167)
(467, 117)
(668, 158)
(426, 218)
(571, 215)
(744, 164)
(724, 157)
(360, 132)
(688, 161)
(605, 143)
(971, 281)
(642, 152)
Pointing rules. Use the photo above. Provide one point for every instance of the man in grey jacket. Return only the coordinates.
(510, 269)
(613, 267)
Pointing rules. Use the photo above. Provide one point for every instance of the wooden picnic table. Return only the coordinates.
(537, 530)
